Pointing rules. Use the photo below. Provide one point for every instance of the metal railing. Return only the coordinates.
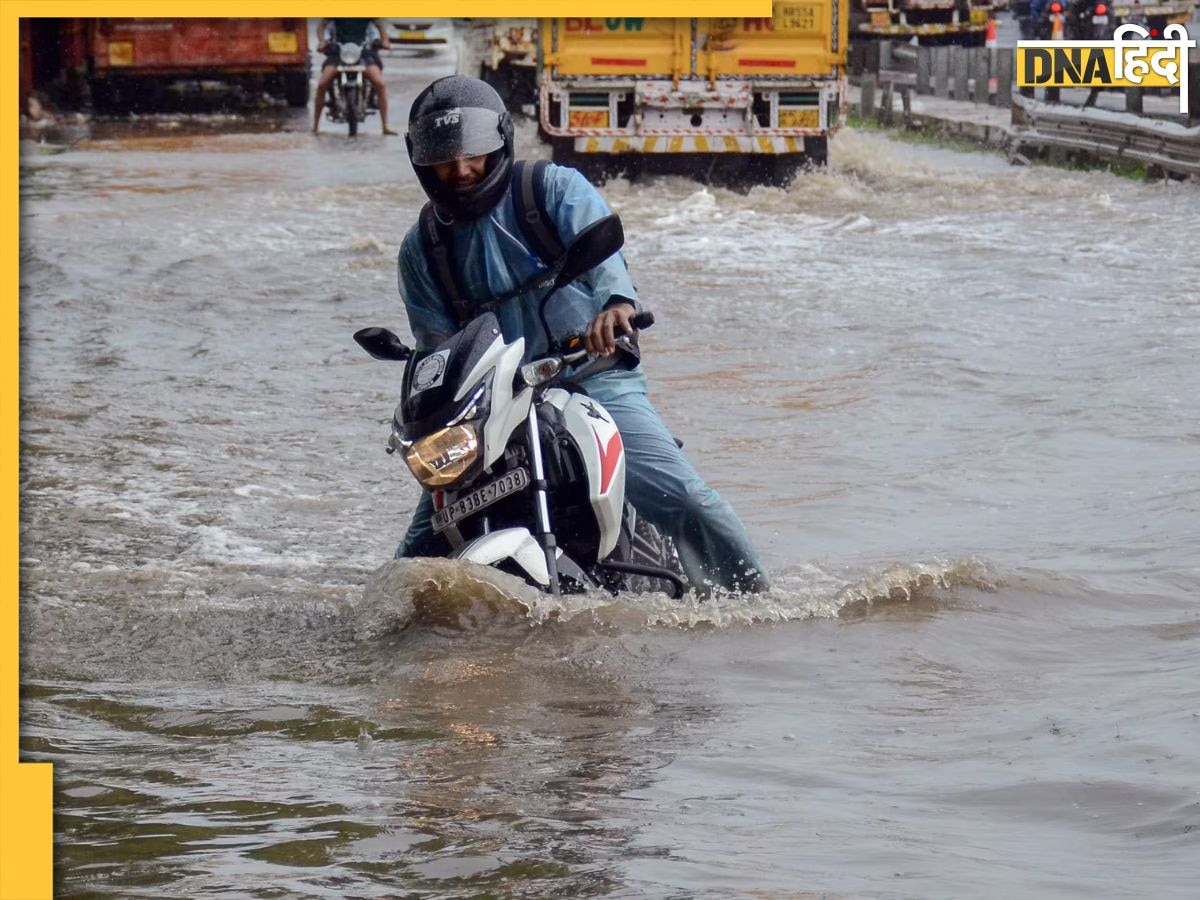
(1169, 146)
(1166, 143)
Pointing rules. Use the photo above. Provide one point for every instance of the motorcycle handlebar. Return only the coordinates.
(572, 352)
(642, 320)
(625, 343)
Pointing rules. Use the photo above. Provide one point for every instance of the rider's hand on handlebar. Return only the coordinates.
(604, 328)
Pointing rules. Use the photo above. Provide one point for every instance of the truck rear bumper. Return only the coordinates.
(735, 117)
(1122, 10)
(763, 145)
(927, 30)
(206, 72)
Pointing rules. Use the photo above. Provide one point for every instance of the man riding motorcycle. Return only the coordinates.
(460, 143)
(351, 31)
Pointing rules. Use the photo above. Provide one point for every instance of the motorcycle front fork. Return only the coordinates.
(540, 502)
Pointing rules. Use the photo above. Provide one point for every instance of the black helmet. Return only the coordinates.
(456, 117)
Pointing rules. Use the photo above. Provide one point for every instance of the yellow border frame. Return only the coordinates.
(26, 789)
(26, 797)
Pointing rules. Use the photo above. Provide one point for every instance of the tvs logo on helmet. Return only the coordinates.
(449, 117)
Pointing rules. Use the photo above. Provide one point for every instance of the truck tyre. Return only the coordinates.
(490, 76)
(101, 94)
(516, 85)
(772, 170)
(816, 151)
(595, 167)
(295, 89)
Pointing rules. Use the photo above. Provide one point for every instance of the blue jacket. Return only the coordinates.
(492, 259)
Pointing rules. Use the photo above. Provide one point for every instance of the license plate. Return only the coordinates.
(795, 18)
(589, 118)
(799, 118)
(120, 53)
(506, 484)
(282, 42)
(880, 19)
(979, 16)
(1099, 20)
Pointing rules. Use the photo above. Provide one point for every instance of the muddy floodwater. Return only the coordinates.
(956, 403)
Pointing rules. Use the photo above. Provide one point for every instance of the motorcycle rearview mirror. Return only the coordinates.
(592, 246)
(382, 344)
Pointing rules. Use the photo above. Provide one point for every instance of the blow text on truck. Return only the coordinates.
(748, 95)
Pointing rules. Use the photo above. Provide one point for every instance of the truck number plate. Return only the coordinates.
(469, 504)
(799, 118)
(588, 118)
(282, 42)
(120, 53)
(796, 17)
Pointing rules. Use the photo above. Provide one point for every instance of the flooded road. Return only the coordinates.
(953, 401)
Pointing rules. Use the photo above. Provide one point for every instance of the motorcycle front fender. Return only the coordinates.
(517, 544)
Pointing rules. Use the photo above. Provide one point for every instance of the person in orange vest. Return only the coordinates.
(1038, 21)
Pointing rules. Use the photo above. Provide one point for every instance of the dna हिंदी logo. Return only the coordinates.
(1130, 59)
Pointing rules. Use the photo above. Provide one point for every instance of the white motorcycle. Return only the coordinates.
(526, 471)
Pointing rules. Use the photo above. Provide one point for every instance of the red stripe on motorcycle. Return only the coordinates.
(609, 457)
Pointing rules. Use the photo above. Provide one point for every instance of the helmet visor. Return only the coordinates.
(456, 133)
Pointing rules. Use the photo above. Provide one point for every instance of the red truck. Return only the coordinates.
(139, 60)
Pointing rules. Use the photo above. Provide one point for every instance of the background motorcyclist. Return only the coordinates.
(1036, 8)
(460, 142)
(351, 31)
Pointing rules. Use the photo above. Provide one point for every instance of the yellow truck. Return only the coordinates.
(759, 95)
(961, 22)
(503, 52)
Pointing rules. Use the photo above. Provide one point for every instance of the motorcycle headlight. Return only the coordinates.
(350, 54)
(443, 457)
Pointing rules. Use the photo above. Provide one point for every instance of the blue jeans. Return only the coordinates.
(712, 544)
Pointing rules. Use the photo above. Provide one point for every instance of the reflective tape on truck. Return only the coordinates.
(763, 145)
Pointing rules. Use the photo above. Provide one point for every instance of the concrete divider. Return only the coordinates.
(1030, 129)
(979, 74)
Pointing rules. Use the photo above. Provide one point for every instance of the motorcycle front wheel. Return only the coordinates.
(352, 109)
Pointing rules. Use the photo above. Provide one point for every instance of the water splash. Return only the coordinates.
(914, 587)
(452, 594)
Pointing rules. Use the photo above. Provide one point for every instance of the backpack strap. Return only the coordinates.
(439, 242)
(540, 233)
(529, 204)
